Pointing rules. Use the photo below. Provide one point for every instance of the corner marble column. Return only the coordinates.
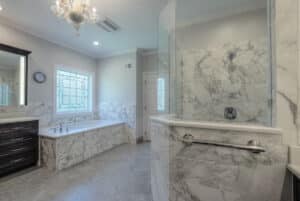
(286, 44)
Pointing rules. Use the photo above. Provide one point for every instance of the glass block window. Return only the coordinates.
(160, 94)
(4, 95)
(73, 92)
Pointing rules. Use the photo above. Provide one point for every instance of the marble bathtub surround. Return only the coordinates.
(206, 173)
(230, 75)
(62, 152)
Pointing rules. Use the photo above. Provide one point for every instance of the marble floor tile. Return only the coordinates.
(121, 174)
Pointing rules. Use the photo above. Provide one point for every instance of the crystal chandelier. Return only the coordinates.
(76, 12)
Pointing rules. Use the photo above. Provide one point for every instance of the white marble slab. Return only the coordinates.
(212, 173)
(170, 121)
(230, 74)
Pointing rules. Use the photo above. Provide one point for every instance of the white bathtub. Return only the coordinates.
(60, 150)
(72, 129)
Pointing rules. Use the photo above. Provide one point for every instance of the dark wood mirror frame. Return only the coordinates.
(22, 52)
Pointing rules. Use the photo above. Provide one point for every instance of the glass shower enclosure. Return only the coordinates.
(215, 61)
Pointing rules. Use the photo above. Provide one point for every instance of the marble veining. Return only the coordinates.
(286, 26)
(231, 75)
(66, 151)
(206, 173)
(120, 112)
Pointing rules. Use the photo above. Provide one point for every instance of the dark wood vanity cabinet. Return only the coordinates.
(18, 146)
(296, 188)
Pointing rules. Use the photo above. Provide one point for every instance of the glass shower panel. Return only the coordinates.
(166, 56)
(217, 60)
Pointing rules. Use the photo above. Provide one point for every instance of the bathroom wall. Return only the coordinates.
(120, 88)
(117, 90)
(225, 63)
(45, 56)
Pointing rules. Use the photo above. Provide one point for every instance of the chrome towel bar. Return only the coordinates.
(252, 145)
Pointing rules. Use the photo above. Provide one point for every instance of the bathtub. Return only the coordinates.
(60, 150)
(73, 129)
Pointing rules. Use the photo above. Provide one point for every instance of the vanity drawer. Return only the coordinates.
(4, 143)
(18, 135)
(17, 162)
(17, 148)
(14, 130)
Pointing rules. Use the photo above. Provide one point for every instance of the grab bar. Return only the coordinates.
(252, 145)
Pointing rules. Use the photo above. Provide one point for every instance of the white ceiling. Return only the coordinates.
(137, 19)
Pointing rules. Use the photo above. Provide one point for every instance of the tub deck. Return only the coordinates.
(63, 150)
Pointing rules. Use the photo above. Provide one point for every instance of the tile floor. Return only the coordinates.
(121, 174)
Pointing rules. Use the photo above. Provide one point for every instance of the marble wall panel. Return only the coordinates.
(160, 162)
(43, 111)
(286, 25)
(205, 172)
(121, 112)
(235, 75)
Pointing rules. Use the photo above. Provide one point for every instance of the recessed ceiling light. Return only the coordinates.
(1, 8)
(96, 43)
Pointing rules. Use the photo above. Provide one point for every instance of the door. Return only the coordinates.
(149, 101)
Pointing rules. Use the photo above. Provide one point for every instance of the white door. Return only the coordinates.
(149, 101)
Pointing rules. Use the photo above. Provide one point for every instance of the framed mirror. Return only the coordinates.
(13, 75)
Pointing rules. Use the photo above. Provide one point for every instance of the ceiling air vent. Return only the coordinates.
(108, 25)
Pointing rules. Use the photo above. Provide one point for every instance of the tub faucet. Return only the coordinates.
(60, 127)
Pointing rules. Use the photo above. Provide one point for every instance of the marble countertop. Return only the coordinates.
(171, 121)
(295, 169)
(294, 160)
(17, 119)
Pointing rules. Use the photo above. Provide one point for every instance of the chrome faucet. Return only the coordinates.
(60, 127)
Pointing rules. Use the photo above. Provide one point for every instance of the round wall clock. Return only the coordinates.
(39, 77)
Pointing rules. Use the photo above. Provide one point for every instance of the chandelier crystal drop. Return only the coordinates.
(75, 12)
